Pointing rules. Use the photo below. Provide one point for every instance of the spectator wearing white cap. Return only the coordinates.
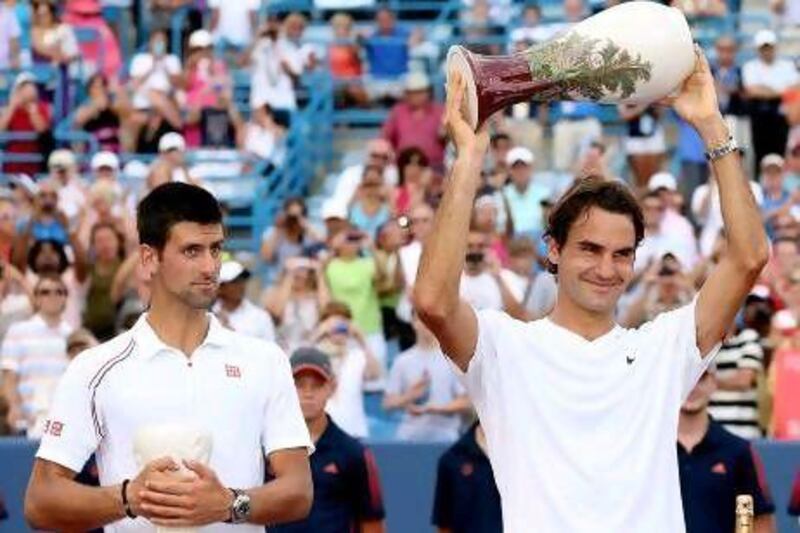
(523, 194)
(234, 310)
(71, 188)
(234, 24)
(766, 78)
(417, 121)
(778, 200)
(676, 226)
(25, 112)
(171, 163)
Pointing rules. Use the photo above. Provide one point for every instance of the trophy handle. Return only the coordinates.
(457, 62)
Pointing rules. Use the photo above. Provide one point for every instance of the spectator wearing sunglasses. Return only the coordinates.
(33, 357)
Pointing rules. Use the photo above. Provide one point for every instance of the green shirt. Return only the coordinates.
(351, 282)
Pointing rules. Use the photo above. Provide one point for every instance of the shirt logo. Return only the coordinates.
(630, 358)
(53, 428)
(233, 371)
(467, 469)
(331, 468)
(719, 468)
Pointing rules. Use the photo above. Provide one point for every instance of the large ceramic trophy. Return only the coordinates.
(635, 52)
(177, 441)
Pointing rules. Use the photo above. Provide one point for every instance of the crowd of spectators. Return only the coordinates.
(340, 279)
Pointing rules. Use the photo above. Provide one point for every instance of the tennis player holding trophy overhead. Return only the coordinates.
(580, 414)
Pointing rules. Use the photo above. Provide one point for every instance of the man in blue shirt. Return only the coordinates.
(347, 492)
(467, 500)
(716, 466)
(387, 48)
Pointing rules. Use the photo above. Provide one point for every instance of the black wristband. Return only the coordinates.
(125, 503)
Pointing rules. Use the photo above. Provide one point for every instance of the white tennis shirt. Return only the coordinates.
(238, 388)
(581, 434)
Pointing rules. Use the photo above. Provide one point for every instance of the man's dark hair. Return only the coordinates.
(36, 249)
(592, 191)
(172, 203)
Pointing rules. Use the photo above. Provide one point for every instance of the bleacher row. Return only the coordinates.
(253, 194)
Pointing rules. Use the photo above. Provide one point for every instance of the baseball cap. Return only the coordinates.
(519, 154)
(765, 38)
(22, 78)
(105, 159)
(24, 182)
(200, 39)
(61, 158)
(662, 180)
(334, 209)
(417, 81)
(232, 271)
(171, 141)
(311, 360)
(772, 160)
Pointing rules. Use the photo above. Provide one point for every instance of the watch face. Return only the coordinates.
(241, 507)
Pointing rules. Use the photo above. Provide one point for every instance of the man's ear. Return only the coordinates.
(149, 260)
(553, 252)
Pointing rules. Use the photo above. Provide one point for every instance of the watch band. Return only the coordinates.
(240, 507)
(720, 150)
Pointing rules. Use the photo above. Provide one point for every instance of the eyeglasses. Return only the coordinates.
(51, 292)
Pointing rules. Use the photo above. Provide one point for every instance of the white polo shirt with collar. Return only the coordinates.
(239, 388)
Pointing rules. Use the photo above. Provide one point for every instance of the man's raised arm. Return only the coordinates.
(436, 291)
(747, 252)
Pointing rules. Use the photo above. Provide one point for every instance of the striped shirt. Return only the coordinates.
(737, 410)
(37, 354)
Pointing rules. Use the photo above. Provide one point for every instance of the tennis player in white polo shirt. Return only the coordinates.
(176, 365)
(580, 414)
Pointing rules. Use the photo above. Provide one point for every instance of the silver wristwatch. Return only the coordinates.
(240, 508)
(721, 150)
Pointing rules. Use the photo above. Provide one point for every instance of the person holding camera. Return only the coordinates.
(353, 276)
(297, 301)
(664, 287)
(482, 284)
(290, 235)
(353, 365)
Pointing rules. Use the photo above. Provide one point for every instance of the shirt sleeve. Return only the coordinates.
(481, 376)
(284, 426)
(676, 334)
(443, 497)
(367, 488)
(71, 432)
(751, 479)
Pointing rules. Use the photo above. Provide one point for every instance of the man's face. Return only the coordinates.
(106, 173)
(421, 222)
(47, 260)
(595, 264)
(500, 149)
(48, 199)
(521, 174)
(653, 210)
(726, 51)
(187, 269)
(313, 391)
(385, 21)
(772, 178)
(50, 297)
(522, 263)
(233, 291)
(698, 399)
(785, 255)
(175, 157)
(476, 253)
(767, 53)
(418, 98)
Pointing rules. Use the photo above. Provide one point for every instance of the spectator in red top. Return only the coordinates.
(417, 121)
(344, 62)
(25, 113)
(414, 179)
